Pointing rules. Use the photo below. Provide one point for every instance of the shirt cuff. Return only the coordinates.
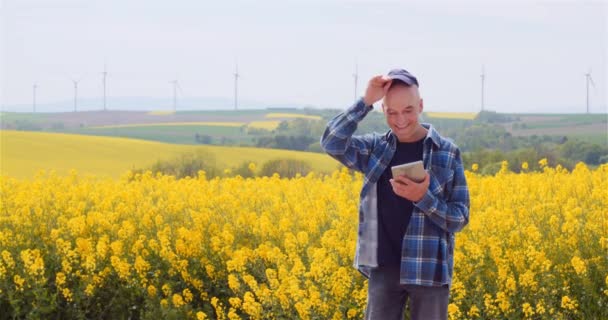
(427, 203)
(371, 106)
(360, 109)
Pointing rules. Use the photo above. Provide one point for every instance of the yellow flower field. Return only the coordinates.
(153, 247)
(268, 125)
(161, 112)
(452, 115)
(23, 153)
(273, 115)
(164, 124)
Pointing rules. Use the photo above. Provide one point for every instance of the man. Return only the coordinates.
(405, 244)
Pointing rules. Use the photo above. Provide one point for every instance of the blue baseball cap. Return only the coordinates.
(403, 76)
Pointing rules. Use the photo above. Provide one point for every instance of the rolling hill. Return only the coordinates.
(24, 153)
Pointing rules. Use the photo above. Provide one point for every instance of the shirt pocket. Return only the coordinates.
(441, 180)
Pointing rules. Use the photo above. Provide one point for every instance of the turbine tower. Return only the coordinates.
(175, 87)
(236, 87)
(75, 82)
(104, 74)
(483, 82)
(75, 94)
(588, 80)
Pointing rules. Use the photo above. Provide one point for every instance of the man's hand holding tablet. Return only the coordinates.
(413, 170)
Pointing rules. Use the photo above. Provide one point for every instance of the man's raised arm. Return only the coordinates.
(338, 140)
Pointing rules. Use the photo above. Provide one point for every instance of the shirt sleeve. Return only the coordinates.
(452, 213)
(338, 140)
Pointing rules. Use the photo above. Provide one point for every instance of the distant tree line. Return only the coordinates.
(190, 164)
(298, 134)
(483, 140)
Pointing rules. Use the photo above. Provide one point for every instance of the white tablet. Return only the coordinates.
(413, 170)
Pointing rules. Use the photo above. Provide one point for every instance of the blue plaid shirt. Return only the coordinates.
(427, 253)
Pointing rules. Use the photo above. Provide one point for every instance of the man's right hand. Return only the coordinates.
(376, 89)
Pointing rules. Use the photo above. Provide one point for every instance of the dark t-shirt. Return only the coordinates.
(394, 212)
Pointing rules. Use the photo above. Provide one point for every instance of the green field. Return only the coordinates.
(561, 120)
(23, 119)
(597, 138)
(566, 116)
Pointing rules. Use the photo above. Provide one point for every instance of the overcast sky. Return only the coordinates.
(535, 54)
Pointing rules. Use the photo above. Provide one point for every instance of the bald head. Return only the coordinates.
(400, 94)
(402, 107)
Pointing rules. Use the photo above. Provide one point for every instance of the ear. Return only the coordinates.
(421, 105)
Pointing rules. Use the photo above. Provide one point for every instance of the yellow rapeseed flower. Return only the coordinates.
(473, 312)
(19, 282)
(527, 309)
(474, 167)
(187, 294)
(151, 291)
(177, 300)
(568, 303)
(164, 303)
(166, 289)
(67, 294)
(579, 265)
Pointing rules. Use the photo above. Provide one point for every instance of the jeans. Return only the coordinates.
(387, 298)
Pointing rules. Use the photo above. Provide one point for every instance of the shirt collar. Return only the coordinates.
(432, 134)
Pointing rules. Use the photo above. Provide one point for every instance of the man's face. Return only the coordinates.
(402, 105)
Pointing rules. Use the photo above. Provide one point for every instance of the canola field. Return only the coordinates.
(24, 153)
(268, 125)
(153, 247)
(452, 115)
(172, 124)
(292, 116)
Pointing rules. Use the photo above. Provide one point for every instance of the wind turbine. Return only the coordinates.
(75, 94)
(104, 74)
(483, 82)
(75, 82)
(176, 86)
(236, 88)
(588, 80)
